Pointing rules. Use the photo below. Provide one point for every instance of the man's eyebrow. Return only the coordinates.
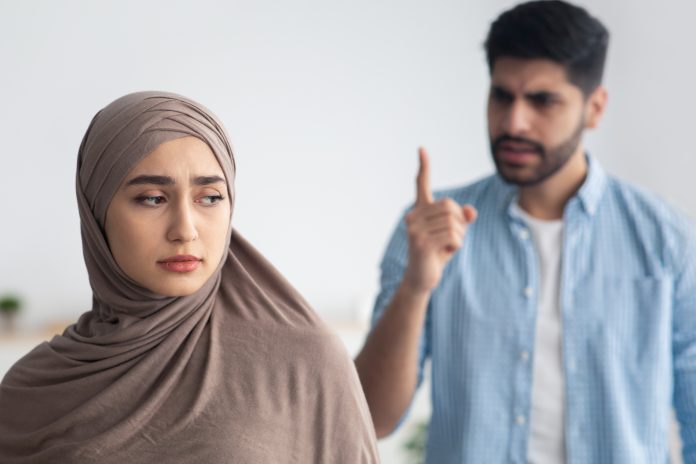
(149, 179)
(543, 94)
(499, 89)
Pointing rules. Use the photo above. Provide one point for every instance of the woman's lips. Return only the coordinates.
(180, 263)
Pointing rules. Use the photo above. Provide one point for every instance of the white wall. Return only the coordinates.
(326, 103)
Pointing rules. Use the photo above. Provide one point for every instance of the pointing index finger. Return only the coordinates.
(424, 195)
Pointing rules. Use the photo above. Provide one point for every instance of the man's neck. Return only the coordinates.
(547, 200)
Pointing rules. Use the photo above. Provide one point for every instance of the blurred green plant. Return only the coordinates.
(10, 304)
(415, 444)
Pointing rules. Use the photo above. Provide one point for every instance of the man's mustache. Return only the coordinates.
(535, 146)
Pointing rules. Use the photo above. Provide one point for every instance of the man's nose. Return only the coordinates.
(517, 118)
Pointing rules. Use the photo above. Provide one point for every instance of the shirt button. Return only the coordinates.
(521, 420)
(524, 234)
(528, 292)
(524, 356)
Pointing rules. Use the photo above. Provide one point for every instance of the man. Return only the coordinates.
(558, 304)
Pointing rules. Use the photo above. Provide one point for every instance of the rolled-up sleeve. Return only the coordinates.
(392, 269)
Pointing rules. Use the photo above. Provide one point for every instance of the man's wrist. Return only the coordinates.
(413, 292)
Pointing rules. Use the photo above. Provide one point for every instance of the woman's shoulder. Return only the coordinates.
(36, 362)
(314, 340)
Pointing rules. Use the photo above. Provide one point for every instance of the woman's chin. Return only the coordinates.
(176, 287)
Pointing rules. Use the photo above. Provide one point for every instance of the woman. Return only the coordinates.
(195, 349)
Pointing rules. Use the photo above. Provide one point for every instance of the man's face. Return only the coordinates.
(536, 118)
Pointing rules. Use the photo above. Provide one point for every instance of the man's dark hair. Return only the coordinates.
(553, 30)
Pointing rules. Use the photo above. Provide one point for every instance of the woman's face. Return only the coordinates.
(168, 222)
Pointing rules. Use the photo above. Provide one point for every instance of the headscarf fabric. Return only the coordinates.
(241, 371)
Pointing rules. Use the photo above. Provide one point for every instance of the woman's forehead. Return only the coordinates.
(181, 156)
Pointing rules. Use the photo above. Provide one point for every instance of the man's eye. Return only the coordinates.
(501, 97)
(150, 201)
(542, 100)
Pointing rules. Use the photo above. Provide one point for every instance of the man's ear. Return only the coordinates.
(595, 106)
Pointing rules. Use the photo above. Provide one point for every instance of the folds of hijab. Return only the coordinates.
(241, 371)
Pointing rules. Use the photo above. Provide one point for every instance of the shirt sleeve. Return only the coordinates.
(392, 269)
(684, 349)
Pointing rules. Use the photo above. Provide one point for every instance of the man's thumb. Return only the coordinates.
(470, 213)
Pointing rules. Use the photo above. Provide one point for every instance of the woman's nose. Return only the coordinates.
(183, 226)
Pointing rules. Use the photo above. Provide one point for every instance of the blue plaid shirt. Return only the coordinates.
(628, 303)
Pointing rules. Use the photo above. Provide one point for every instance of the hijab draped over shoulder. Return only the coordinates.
(241, 371)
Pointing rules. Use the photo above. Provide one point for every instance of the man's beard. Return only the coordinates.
(552, 160)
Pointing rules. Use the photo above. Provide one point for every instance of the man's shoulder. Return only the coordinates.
(642, 203)
(654, 216)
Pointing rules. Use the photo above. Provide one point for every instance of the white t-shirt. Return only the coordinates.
(547, 424)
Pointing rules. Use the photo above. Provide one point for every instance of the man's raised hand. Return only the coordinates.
(436, 231)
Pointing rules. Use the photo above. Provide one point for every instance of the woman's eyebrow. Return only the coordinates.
(148, 179)
(166, 180)
(207, 180)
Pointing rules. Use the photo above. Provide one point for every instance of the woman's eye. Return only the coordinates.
(210, 200)
(150, 200)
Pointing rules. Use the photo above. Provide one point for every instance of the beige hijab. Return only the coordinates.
(242, 371)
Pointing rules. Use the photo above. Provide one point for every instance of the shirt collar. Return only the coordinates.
(592, 189)
(590, 192)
